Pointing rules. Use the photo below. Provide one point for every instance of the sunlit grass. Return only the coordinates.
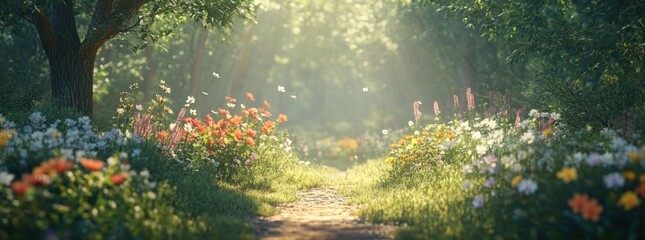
(431, 202)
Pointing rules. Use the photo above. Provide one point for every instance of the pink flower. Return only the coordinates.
(471, 99)
(455, 100)
(436, 108)
(417, 113)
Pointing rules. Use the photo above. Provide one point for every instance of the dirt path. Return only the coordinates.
(319, 214)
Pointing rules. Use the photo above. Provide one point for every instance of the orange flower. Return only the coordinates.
(92, 164)
(592, 210)
(209, 120)
(577, 202)
(43, 169)
(265, 112)
(250, 132)
(20, 187)
(237, 134)
(282, 118)
(61, 165)
(249, 141)
(235, 120)
(629, 175)
(119, 178)
(250, 96)
(254, 113)
(162, 135)
(223, 112)
(230, 99)
(36, 179)
(267, 105)
(641, 190)
(268, 126)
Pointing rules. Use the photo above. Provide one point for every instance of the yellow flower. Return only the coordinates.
(516, 180)
(548, 132)
(5, 135)
(629, 175)
(629, 200)
(567, 174)
(633, 155)
(642, 178)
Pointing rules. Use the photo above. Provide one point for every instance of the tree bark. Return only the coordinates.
(198, 57)
(238, 79)
(148, 80)
(71, 62)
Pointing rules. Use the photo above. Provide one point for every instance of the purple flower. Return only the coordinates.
(490, 182)
(478, 202)
(593, 159)
(614, 180)
(527, 187)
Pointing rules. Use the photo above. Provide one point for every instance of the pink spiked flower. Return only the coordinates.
(455, 100)
(471, 99)
(417, 113)
(436, 108)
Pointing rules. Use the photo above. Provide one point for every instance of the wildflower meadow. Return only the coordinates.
(310, 119)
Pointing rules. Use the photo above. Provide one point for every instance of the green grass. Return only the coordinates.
(431, 203)
(254, 191)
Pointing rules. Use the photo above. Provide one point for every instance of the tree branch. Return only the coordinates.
(107, 24)
(20, 11)
(45, 31)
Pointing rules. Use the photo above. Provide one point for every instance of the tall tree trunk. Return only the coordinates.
(198, 57)
(240, 73)
(148, 80)
(71, 79)
(71, 62)
(468, 68)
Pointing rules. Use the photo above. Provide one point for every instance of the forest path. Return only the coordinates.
(320, 213)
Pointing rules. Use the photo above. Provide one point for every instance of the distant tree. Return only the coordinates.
(589, 55)
(71, 55)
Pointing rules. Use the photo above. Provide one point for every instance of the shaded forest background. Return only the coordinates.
(348, 66)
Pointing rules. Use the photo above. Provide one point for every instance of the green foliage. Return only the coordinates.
(156, 192)
(532, 179)
(587, 54)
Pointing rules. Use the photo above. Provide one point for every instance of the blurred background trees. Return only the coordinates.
(348, 66)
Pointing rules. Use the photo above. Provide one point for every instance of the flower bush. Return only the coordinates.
(534, 178)
(174, 176)
(323, 147)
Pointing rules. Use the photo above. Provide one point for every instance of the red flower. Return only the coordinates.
(20, 187)
(249, 141)
(267, 105)
(92, 164)
(37, 179)
(282, 118)
(188, 120)
(641, 190)
(119, 178)
(250, 96)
